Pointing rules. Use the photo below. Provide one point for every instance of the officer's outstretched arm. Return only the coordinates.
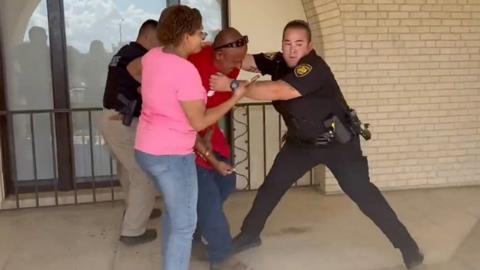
(134, 68)
(272, 90)
(249, 64)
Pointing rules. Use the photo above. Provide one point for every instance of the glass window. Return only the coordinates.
(211, 11)
(95, 31)
(25, 47)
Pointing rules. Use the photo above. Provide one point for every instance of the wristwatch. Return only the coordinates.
(234, 85)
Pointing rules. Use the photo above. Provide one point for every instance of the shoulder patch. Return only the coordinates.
(115, 60)
(302, 70)
(270, 55)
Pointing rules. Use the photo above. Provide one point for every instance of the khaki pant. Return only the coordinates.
(139, 190)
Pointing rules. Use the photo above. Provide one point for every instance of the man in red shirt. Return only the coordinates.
(215, 178)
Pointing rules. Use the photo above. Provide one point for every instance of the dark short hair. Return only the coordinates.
(298, 24)
(148, 24)
(175, 22)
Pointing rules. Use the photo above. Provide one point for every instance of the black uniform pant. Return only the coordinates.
(349, 167)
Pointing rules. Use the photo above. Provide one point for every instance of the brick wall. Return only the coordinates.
(412, 69)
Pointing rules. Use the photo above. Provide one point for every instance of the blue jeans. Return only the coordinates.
(213, 190)
(176, 178)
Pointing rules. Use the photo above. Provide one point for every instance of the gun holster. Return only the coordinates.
(128, 109)
(337, 129)
(356, 125)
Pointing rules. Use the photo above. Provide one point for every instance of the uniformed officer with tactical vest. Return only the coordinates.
(122, 104)
(322, 129)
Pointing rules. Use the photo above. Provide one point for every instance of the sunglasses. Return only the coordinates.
(235, 44)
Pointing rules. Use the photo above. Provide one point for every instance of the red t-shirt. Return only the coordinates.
(203, 61)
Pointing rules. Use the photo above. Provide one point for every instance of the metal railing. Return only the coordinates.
(256, 132)
(34, 179)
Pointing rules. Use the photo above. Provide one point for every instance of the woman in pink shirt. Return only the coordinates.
(172, 113)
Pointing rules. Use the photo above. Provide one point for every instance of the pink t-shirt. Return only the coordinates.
(163, 128)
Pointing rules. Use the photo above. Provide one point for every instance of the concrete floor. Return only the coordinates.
(307, 231)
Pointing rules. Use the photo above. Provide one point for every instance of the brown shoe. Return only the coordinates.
(156, 213)
(148, 236)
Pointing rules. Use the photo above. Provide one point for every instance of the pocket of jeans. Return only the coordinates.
(154, 165)
(159, 167)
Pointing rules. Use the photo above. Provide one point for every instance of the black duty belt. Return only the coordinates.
(324, 139)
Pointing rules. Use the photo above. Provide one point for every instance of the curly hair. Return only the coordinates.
(175, 21)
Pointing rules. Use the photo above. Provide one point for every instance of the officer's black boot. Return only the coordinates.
(412, 257)
(244, 241)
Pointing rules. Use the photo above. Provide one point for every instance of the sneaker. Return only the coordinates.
(243, 242)
(156, 213)
(148, 236)
(413, 259)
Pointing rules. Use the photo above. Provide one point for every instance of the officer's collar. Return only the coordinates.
(136, 44)
(308, 56)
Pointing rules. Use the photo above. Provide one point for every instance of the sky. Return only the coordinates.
(116, 21)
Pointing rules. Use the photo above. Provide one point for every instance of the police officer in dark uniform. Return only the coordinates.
(122, 104)
(119, 80)
(321, 130)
